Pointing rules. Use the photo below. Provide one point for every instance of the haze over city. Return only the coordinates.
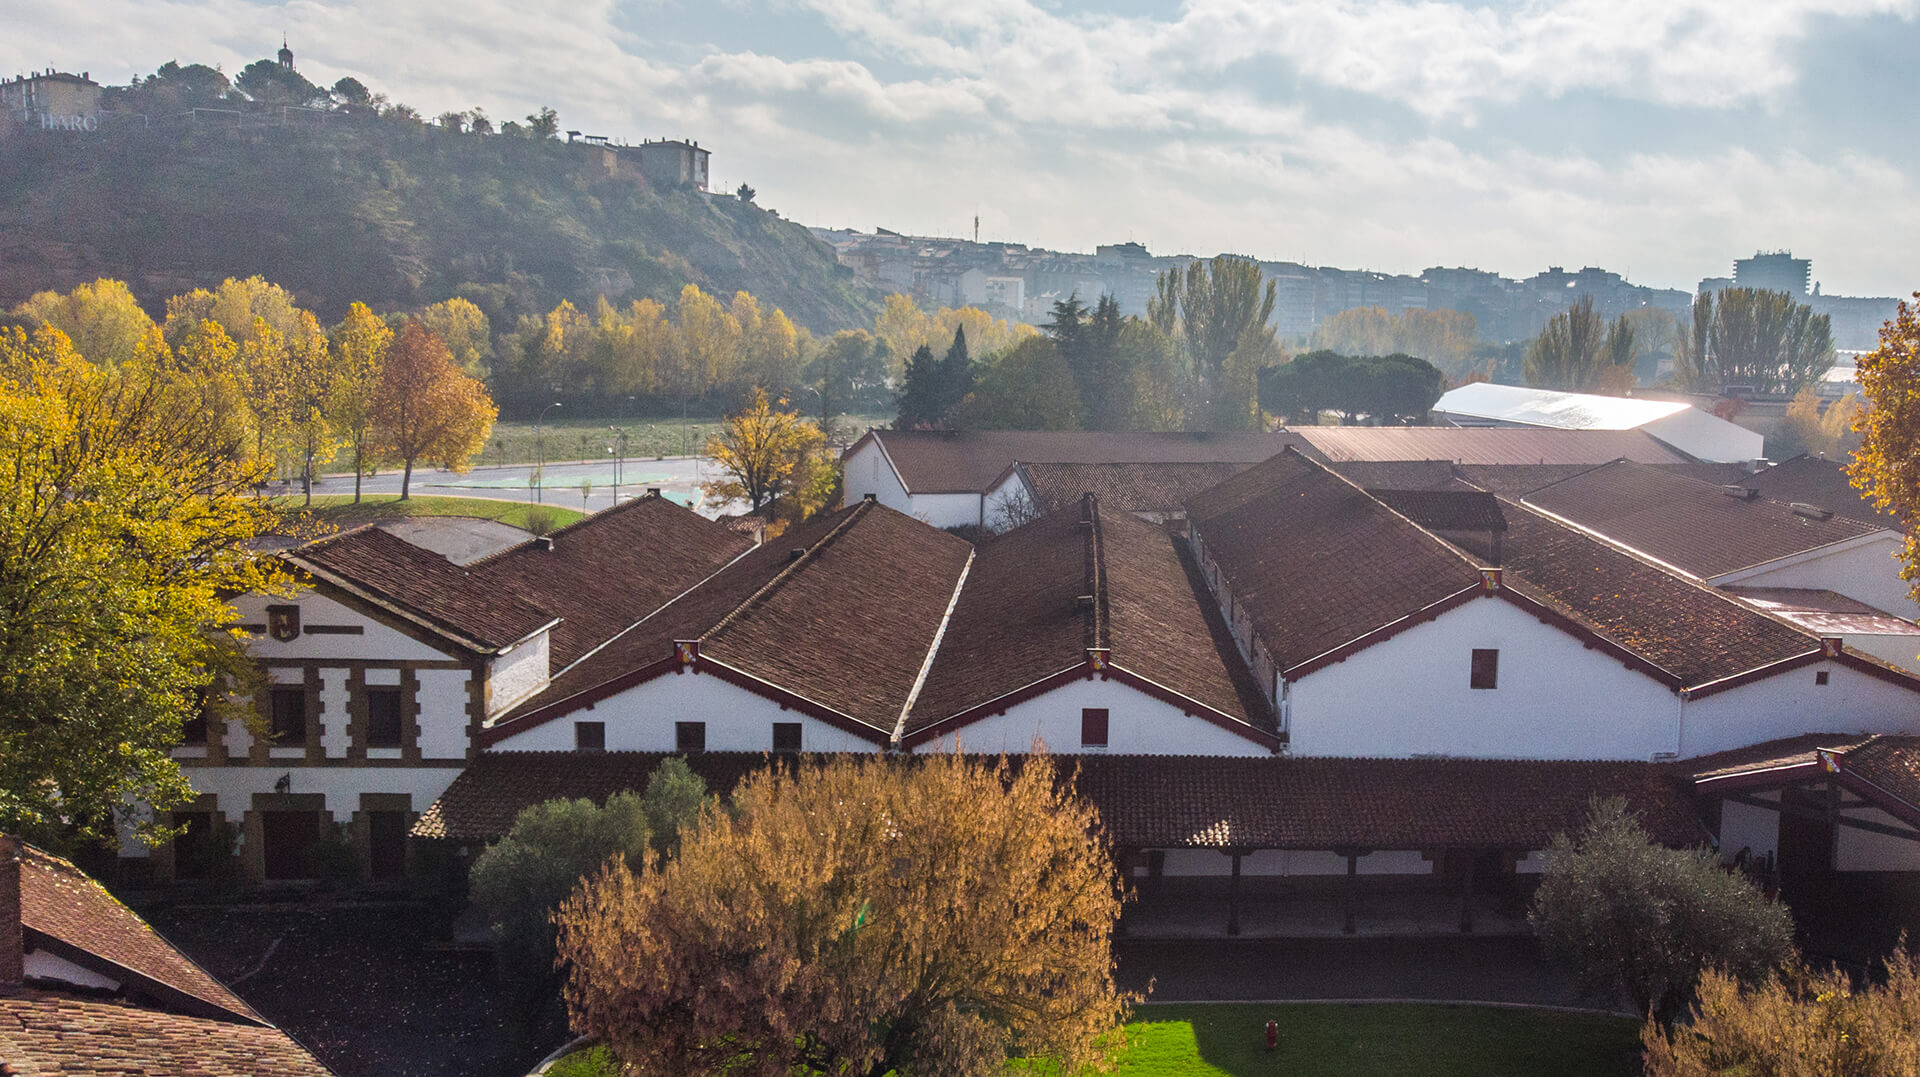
(1657, 140)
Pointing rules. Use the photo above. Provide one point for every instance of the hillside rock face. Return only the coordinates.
(394, 217)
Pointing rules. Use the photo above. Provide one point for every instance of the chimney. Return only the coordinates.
(545, 542)
(653, 491)
(796, 554)
(1086, 603)
(1741, 493)
(1811, 512)
(1499, 547)
(13, 957)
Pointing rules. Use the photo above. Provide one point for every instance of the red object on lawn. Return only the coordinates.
(1273, 1035)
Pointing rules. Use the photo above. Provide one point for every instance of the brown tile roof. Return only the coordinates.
(1174, 801)
(1020, 618)
(1397, 474)
(1768, 755)
(1446, 509)
(422, 585)
(1892, 764)
(846, 625)
(1315, 561)
(1512, 480)
(1882, 768)
(1823, 612)
(1322, 803)
(1692, 631)
(1156, 487)
(971, 461)
(91, 927)
(1813, 480)
(42, 1033)
(1483, 445)
(1690, 525)
(604, 573)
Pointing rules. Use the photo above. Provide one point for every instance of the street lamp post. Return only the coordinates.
(540, 451)
(620, 465)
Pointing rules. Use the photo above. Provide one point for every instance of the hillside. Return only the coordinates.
(395, 216)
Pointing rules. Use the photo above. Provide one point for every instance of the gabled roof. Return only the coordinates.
(42, 1033)
(64, 910)
(1213, 802)
(1823, 612)
(836, 614)
(1149, 487)
(602, 574)
(1691, 525)
(1884, 769)
(1022, 619)
(421, 586)
(1813, 480)
(1482, 445)
(1445, 509)
(1316, 562)
(971, 461)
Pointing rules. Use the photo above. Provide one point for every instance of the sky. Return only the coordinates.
(1660, 139)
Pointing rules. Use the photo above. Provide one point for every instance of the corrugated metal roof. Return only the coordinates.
(1552, 408)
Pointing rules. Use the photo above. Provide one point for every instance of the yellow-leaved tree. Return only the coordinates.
(1887, 464)
(126, 517)
(359, 346)
(425, 407)
(773, 460)
(860, 917)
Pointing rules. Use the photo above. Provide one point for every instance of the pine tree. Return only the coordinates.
(920, 396)
(955, 374)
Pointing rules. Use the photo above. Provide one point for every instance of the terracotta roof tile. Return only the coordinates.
(1446, 509)
(1688, 524)
(1812, 480)
(1315, 561)
(65, 904)
(1768, 755)
(1890, 763)
(1484, 445)
(481, 803)
(50, 1034)
(423, 585)
(970, 461)
(1149, 487)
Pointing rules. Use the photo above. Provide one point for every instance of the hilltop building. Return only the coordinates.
(50, 101)
(670, 163)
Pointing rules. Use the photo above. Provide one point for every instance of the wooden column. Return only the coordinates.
(1350, 898)
(1233, 894)
(1466, 893)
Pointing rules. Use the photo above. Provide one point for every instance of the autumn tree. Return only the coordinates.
(769, 455)
(1222, 317)
(1580, 352)
(861, 917)
(1640, 919)
(125, 519)
(359, 345)
(425, 408)
(1027, 388)
(464, 328)
(103, 320)
(1801, 1021)
(1887, 464)
(1814, 426)
(1746, 336)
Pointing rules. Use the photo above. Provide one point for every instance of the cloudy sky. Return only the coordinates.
(1657, 138)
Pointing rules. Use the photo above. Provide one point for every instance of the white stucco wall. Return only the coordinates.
(42, 966)
(519, 673)
(1900, 649)
(334, 718)
(1868, 571)
(376, 642)
(443, 713)
(866, 471)
(1791, 703)
(947, 510)
(641, 719)
(1410, 695)
(1137, 724)
(342, 786)
(1743, 826)
(1012, 487)
(1863, 850)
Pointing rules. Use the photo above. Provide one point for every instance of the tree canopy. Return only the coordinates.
(772, 459)
(1388, 389)
(1887, 464)
(1580, 352)
(424, 407)
(1765, 341)
(858, 917)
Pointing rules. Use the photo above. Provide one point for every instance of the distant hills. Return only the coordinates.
(395, 216)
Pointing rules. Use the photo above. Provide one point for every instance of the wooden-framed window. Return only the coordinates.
(786, 736)
(590, 736)
(289, 713)
(385, 721)
(1821, 677)
(689, 737)
(1093, 727)
(1486, 668)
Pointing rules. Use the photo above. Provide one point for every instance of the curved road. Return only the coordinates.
(679, 477)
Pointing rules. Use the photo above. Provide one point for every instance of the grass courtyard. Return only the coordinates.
(1338, 1040)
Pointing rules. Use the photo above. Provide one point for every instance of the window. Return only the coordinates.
(689, 737)
(786, 736)
(290, 714)
(1093, 727)
(590, 736)
(383, 718)
(1820, 677)
(1486, 667)
(194, 729)
(195, 851)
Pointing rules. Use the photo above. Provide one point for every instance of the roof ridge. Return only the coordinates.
(589, 518)
(1099, 630)
(788, 570)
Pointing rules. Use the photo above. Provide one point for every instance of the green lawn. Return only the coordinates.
(1326, 1040)
(340, 511)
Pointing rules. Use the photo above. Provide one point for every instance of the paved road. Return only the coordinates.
(678, 477)
(1439, 969)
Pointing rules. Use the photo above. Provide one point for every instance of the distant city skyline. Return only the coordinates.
(1659, 140)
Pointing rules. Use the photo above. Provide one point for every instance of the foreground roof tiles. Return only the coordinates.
(1813, 480)
(1316, 562)
(1691, 525)
(1141, 487)
(43, 1033)
(1022, 617)
(76, 914)
(422, 586)
(1269, 802)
